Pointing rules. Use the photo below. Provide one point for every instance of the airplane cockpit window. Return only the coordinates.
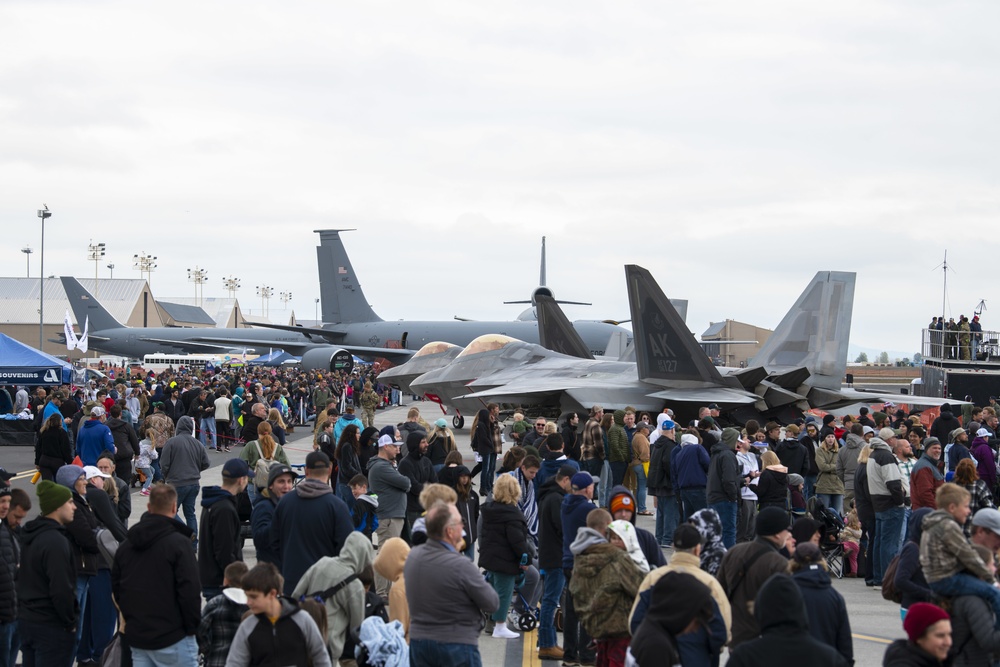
(433, 348)
(485, 344)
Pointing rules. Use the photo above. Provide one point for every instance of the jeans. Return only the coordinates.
(727, 515)
(82, 588)
(344, 493)
(208, 426)
(157, 474)
(834, 501)
(503, 584)
(44, 645)
(966, 584)
(666, 520)
(576, 641)
(640, 487)
(98, 619)
(746, 524)
(148, 472)
(488, 472)
(692, 500)
(888, 527)
(186, 495)
(618, 469)
(388, 527)
(10, 643)
(809, 486)
(181, 654)
(429, 653)
(555, 580)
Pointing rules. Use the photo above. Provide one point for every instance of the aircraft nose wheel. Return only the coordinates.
(458, 421)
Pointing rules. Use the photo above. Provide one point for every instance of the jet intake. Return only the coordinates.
(328, 360)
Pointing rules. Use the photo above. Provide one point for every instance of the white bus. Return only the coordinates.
(160, 362)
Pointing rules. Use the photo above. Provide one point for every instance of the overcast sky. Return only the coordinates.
(732, 148)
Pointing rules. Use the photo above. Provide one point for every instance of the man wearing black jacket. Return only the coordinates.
(47, 612)
(155, 581)
(219, 541)
(550, 542)
(417, 467)
(724, 484)
(126, 443)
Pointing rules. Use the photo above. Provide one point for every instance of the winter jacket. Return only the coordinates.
(658, 481)
(345, 609)
(772, 487)
(742, 583)
(106, 514)
(828, 481)
(503, 538)
(904, 653)
(550, 531)
(618, 445)
(220, 619)
(884, 479)
(294, 640)
(792, 455)
(985, 457)
(640, 448)
(126, 442)
(219, 542)
(390, 487)
(260, 525)
(944, 550)
(974, 640)
(647, 541)
(827, 610)
(447, 595)
(863, 497)
(689, 466)
(46, 582)
(723, 479)
(10, 558)
(309, 523)
(418, 469)
(53, 449)
(439, 445)
(573, 512)
(592, 441)
(945, 423)
(93, 439)
(847, 459)
(784, 631)
(81, 531)
(811, 447)
(925, 480)
(155, 580)
(486, 438)
(348, 464)
(604, 584)
(183, 458)
(910, 581)
(551, 462)
(346, 420)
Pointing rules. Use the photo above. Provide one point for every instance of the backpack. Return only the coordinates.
(261, 469)
(889, 590)
(106, 544)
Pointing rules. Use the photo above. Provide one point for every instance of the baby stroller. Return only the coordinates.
(831, 525)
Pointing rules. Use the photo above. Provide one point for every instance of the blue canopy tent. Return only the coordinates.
(275, 358)
(22, 364)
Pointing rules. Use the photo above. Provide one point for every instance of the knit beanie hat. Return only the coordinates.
(771, 521)
(921, 616)
(622, 501)
(67, 476)
(52, 496)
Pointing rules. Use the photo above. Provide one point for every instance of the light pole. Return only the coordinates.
(265, 292)
(95, 253)
(111, 267)
(198, 277)
(145, 264)
(27, 260)
(285, 298)
(231, 284)
(43, 213)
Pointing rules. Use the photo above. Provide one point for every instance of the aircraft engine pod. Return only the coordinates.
(328, 359)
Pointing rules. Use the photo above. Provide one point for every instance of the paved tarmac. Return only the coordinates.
(874, 621)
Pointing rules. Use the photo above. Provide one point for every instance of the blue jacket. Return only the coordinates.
(550, 466)
(260, 522)
(689, 467)
(94, 437)
(574, 513)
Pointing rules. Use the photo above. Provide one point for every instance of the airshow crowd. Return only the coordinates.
(385, 548)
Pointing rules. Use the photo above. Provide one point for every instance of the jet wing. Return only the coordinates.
(327, 334)
(851, 396)
(188, 345)
(720, 395)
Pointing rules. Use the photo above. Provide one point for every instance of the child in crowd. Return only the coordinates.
(222, 616)
(850, 536)
(144, 464)
(363, 513)
(796, 497)
(278, 632)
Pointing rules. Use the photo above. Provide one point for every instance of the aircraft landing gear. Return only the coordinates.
(458, 421)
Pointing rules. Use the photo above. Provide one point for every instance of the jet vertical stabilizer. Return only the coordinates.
(340, 293)
(84, 305)
(815, 333)
(556, 332)
(666, 352)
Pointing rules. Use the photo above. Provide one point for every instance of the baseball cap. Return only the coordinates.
(643, 425)
(235, 468)
(317, 460)
(97, 412)
(982, 433)
(441, 423)
(668, 425)
(93, 471)
(988, 518)
(5, 476)
(886, 434)
(713, 406)
(687, 537)
(385, 440)
(277, 470)
(582, 480)
(866, 430)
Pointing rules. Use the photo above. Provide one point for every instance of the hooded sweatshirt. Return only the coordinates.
(827, 610)
(94, 437)
(183, 458)
(647, 541)
(389, 564)
(293, 639)
(618, 445)
(46, 582)
(219, 542)
(605, 582)
(784, 633)
(573, 512)
(986, 464)
(418, 469)
(944, 424)
(847, 459)
(884, 479)
(626, 531)
(345, 609)
(944, 551)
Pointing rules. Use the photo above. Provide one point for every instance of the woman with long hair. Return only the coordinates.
(829, 486)
(440, 443)
(278, 425)
(52, 451)
(264, 447)
(348, 463)
(967, 477)
(772, 485)
(504, 547)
